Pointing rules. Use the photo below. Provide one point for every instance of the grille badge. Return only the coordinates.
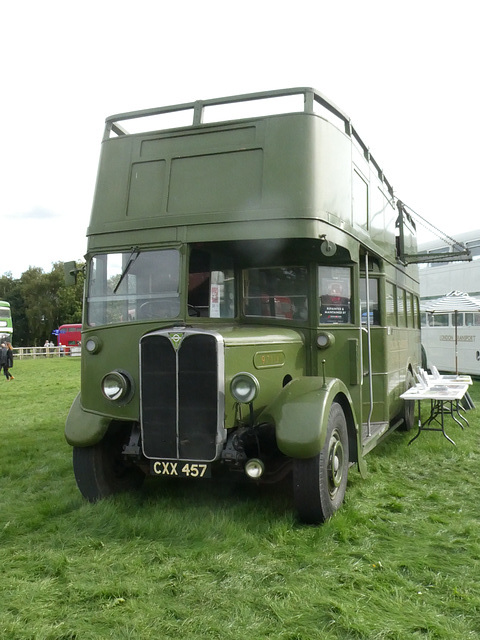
(176, 339)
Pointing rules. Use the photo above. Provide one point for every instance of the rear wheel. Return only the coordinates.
(319, 483)
(101, 471)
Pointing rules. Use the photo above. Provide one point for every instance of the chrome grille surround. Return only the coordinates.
(182, 394)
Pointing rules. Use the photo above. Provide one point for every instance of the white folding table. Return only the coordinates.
(444, 396)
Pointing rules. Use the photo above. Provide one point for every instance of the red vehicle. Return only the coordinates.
(69, 335)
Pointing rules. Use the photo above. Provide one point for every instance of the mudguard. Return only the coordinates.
(83, 429)
(300, 414)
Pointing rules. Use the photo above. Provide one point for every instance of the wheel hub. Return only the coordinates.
(335, 466)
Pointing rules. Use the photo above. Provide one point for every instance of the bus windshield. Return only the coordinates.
(276, 292)
(124, 287)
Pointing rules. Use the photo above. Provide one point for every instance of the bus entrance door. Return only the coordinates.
(373, 405)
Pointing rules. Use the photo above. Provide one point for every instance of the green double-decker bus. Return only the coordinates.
(247, 307)
(6, 324)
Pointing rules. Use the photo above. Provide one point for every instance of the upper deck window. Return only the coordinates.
(123, 287)
(360, 200)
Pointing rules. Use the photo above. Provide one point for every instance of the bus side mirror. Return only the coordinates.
(70, 271)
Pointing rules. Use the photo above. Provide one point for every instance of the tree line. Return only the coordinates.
(41, 302)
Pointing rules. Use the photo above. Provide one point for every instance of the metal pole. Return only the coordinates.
(456, 342)
(369, 345)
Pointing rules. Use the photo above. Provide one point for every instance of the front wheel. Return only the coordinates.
(101, 471)
(319, 483)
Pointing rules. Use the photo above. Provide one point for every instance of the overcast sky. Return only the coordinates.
(405, 71)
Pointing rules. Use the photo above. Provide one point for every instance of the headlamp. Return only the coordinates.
(244, 388)
(116, 386)
(93, 344)
(325, 339)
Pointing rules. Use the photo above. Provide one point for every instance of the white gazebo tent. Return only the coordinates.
(454, 302)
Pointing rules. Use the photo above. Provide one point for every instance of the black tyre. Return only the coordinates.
(319, 483)
(101, 471)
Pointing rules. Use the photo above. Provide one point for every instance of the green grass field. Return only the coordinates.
(197, 559)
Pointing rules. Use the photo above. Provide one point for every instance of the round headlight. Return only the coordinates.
(254, 468)
(115, 385)
(93, 344)
(244, 387)
(325, 339)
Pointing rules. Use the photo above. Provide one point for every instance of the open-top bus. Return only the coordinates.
(6, 324)
(247, 303)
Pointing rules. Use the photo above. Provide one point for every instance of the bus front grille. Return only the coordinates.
(179, 379)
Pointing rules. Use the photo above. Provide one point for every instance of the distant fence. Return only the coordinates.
(24, 353)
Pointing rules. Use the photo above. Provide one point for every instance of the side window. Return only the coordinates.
(334, 294)
(472, 319)
(401, 308)
(440, 319)
(410, 318)
(373, 302)
(390, 304)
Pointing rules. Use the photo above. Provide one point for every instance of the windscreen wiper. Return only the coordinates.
(130, 261)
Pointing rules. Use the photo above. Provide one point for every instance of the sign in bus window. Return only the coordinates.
(334, 294)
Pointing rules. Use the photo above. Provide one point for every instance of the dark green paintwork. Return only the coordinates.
(281, 177)
(300, 414)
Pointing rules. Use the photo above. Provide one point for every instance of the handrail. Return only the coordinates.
(311, 96)
(198, 106)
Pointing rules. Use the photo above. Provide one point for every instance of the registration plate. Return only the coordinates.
(180, 469)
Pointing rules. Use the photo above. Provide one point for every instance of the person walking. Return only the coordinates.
(9, 364)
(3, 358)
